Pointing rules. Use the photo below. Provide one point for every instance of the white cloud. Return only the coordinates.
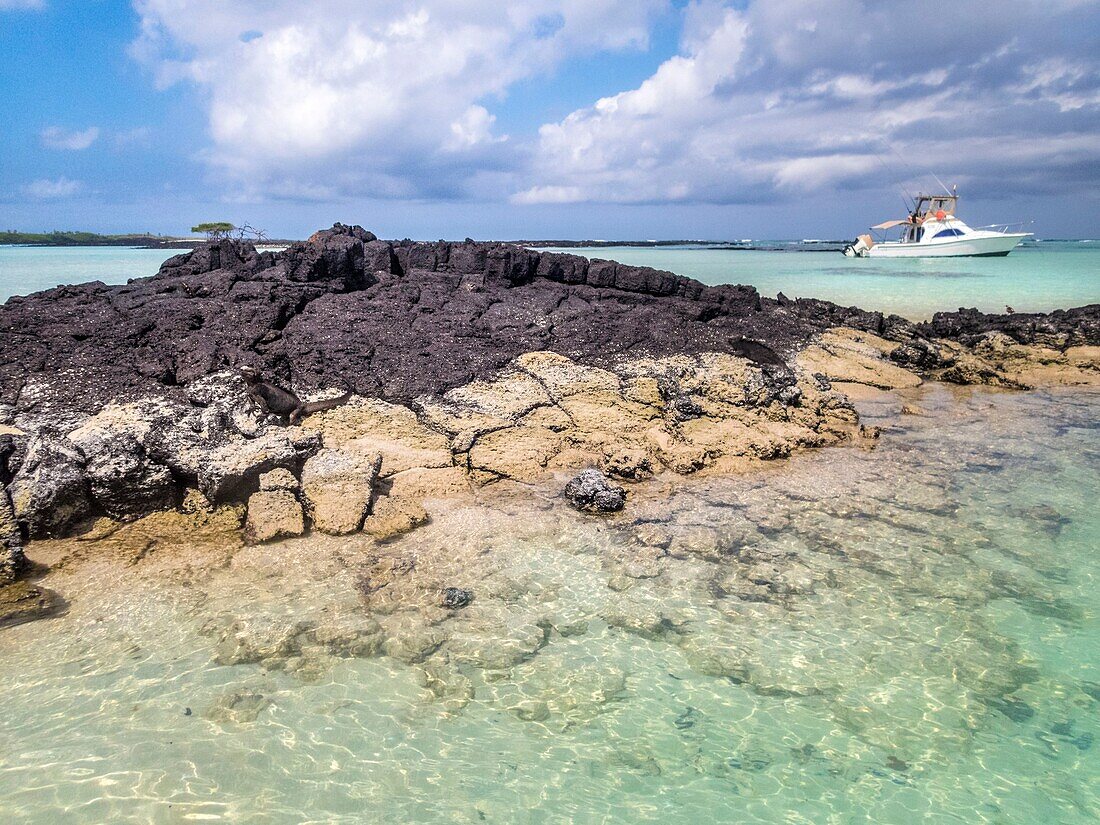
(473, 128)
(130, 137)
(46, 189)
(765, 99)
(792, 96)
(21, 4)
(339, 96)
(55, 137)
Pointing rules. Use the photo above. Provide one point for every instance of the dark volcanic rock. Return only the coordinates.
(454, 598)
(592, 492)
(1059, 329)
(391, 320)
(402, 320)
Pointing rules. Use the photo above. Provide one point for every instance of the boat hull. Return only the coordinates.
(975, 245)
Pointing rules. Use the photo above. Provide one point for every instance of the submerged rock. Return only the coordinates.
(238, 706)
(25, 602)
(454, 598)
(393, 516)
(592, 492)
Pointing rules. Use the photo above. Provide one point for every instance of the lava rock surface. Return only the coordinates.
(393, 320)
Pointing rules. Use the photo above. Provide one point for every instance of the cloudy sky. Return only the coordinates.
(546, 118)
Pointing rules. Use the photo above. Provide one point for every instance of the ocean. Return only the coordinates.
(1036, 277)
(909, 633)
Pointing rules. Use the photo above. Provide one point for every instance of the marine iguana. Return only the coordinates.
(283, 403)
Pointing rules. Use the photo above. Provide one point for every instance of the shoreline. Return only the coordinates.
(392, 596)
(713, 380)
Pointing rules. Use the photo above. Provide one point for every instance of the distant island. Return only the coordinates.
(148, 241)
(59, 238)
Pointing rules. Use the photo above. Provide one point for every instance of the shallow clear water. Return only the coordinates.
(906, 634)
(1036, 277)
(27, 269)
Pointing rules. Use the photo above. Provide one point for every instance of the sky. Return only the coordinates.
(662, 119)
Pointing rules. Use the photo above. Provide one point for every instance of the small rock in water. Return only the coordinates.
(1015, 709)
(592, 492)
(454, 598)
(187, 711)
(686, 719)
(238, 706)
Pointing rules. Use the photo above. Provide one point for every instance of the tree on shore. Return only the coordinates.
(214, 230)
(220, 230)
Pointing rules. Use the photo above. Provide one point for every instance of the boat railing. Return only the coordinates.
(1004, 227)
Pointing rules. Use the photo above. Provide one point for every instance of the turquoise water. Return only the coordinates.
(1036, 277)
(27, 269)
(898, 635)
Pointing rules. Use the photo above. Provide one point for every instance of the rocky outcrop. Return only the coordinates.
(854, 357)
(1057, 330)
(468, 363)
(592, 492)
(392, 321)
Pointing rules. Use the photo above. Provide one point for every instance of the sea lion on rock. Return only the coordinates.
(283, 403)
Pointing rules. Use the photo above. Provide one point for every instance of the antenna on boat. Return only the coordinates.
(905, 196)
(946, 191)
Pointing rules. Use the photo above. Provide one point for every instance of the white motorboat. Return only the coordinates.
(933, 230)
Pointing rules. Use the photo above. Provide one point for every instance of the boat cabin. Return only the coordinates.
(931, 213)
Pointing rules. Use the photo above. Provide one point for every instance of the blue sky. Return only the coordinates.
(551, 118)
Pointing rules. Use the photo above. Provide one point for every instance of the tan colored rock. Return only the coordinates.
(368, 427)
(562, 376)
(338, 487)
(278, 480)
(273, 514)
(422, 483)
(512, 395)
(195, 502)
(997, 360)
(394, 516)
(857, 357)
(630, 463)
(515, 452)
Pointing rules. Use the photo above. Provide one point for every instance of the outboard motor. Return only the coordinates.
(860, 247)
